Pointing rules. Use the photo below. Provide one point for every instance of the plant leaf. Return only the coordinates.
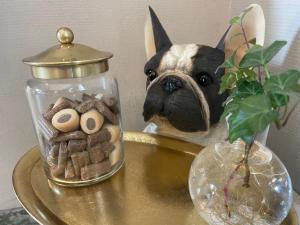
(278, 100)
(253, 115)
(285, 82)
(252, 41)
(247, 139)
(248, 74)
(248, 88)
(228, 80)
(231, 106)
(235, 20)
(229, 63)
(259, 56)
(272, 50)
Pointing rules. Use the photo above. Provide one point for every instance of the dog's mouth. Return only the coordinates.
(182, 108)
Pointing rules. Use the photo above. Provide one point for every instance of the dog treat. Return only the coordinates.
(107, 148)
(115, 155)
(114, 132)
(111, 102)
(74, 135)
(54, 150)
(99, 137)
(96, 154)
(106, 112)
(52, 158)
(81, 136)
(85, 105)
(95, 170)
(86, 97)
(80, 159)
(69, 171)
(91, 121)
(77, 102)
(66, 120)
(47, 129)
(62, 105)
(72, 104)
(62, 160)
(49, 107)
(76, 146)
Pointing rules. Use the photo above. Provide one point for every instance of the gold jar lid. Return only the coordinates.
(67, 59)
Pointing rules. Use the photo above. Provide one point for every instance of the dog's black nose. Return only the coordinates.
(171, 84)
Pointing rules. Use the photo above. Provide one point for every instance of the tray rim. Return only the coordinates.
(44, 216)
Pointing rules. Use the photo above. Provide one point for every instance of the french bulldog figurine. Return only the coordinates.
(183, 81)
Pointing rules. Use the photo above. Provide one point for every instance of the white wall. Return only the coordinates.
(28, 27)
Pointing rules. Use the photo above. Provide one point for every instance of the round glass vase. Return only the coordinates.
(218, 191)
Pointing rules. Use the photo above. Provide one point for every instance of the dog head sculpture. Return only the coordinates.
(183, 80)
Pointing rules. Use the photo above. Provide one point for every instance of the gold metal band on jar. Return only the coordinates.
(73, 71)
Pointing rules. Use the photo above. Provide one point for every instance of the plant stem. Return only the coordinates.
(244, 162)
(280, 125)
(244, 34)
(289, 114)
(247, 173)
(267, 71)
(259, 74)
(284, 113)
(226, 187)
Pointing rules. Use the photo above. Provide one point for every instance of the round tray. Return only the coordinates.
(151, 188)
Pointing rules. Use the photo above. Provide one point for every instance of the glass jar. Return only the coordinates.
(76, 112)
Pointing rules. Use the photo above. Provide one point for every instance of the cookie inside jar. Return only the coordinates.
(82, 136)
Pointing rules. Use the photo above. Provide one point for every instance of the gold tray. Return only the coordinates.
(151, 188)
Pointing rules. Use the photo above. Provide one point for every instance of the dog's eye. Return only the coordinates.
(204, 79)
(151, 74)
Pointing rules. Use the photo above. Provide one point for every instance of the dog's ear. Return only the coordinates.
(221, 44)
(156, 38)
(254, 27)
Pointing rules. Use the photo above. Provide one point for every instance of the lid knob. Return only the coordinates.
(65, 35)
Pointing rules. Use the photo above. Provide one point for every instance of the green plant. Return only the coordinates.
(257, 97)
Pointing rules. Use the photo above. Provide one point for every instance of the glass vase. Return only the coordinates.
(222, 195)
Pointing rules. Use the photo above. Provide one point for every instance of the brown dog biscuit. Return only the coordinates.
(74, 135)
(95, 170)
(72, 104)
(96, 154)
(62, 160)
(62, 105)
(66, 120)
(99, 137)
(114, 132)
(91, 121)
(86, 97)
(85, 105)
(106, 112)
(47, 129)
(52, 157)
(107, 148)
(80, 159)
(111, 102)
(49, 107)
(76, 146)
(69, 170)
